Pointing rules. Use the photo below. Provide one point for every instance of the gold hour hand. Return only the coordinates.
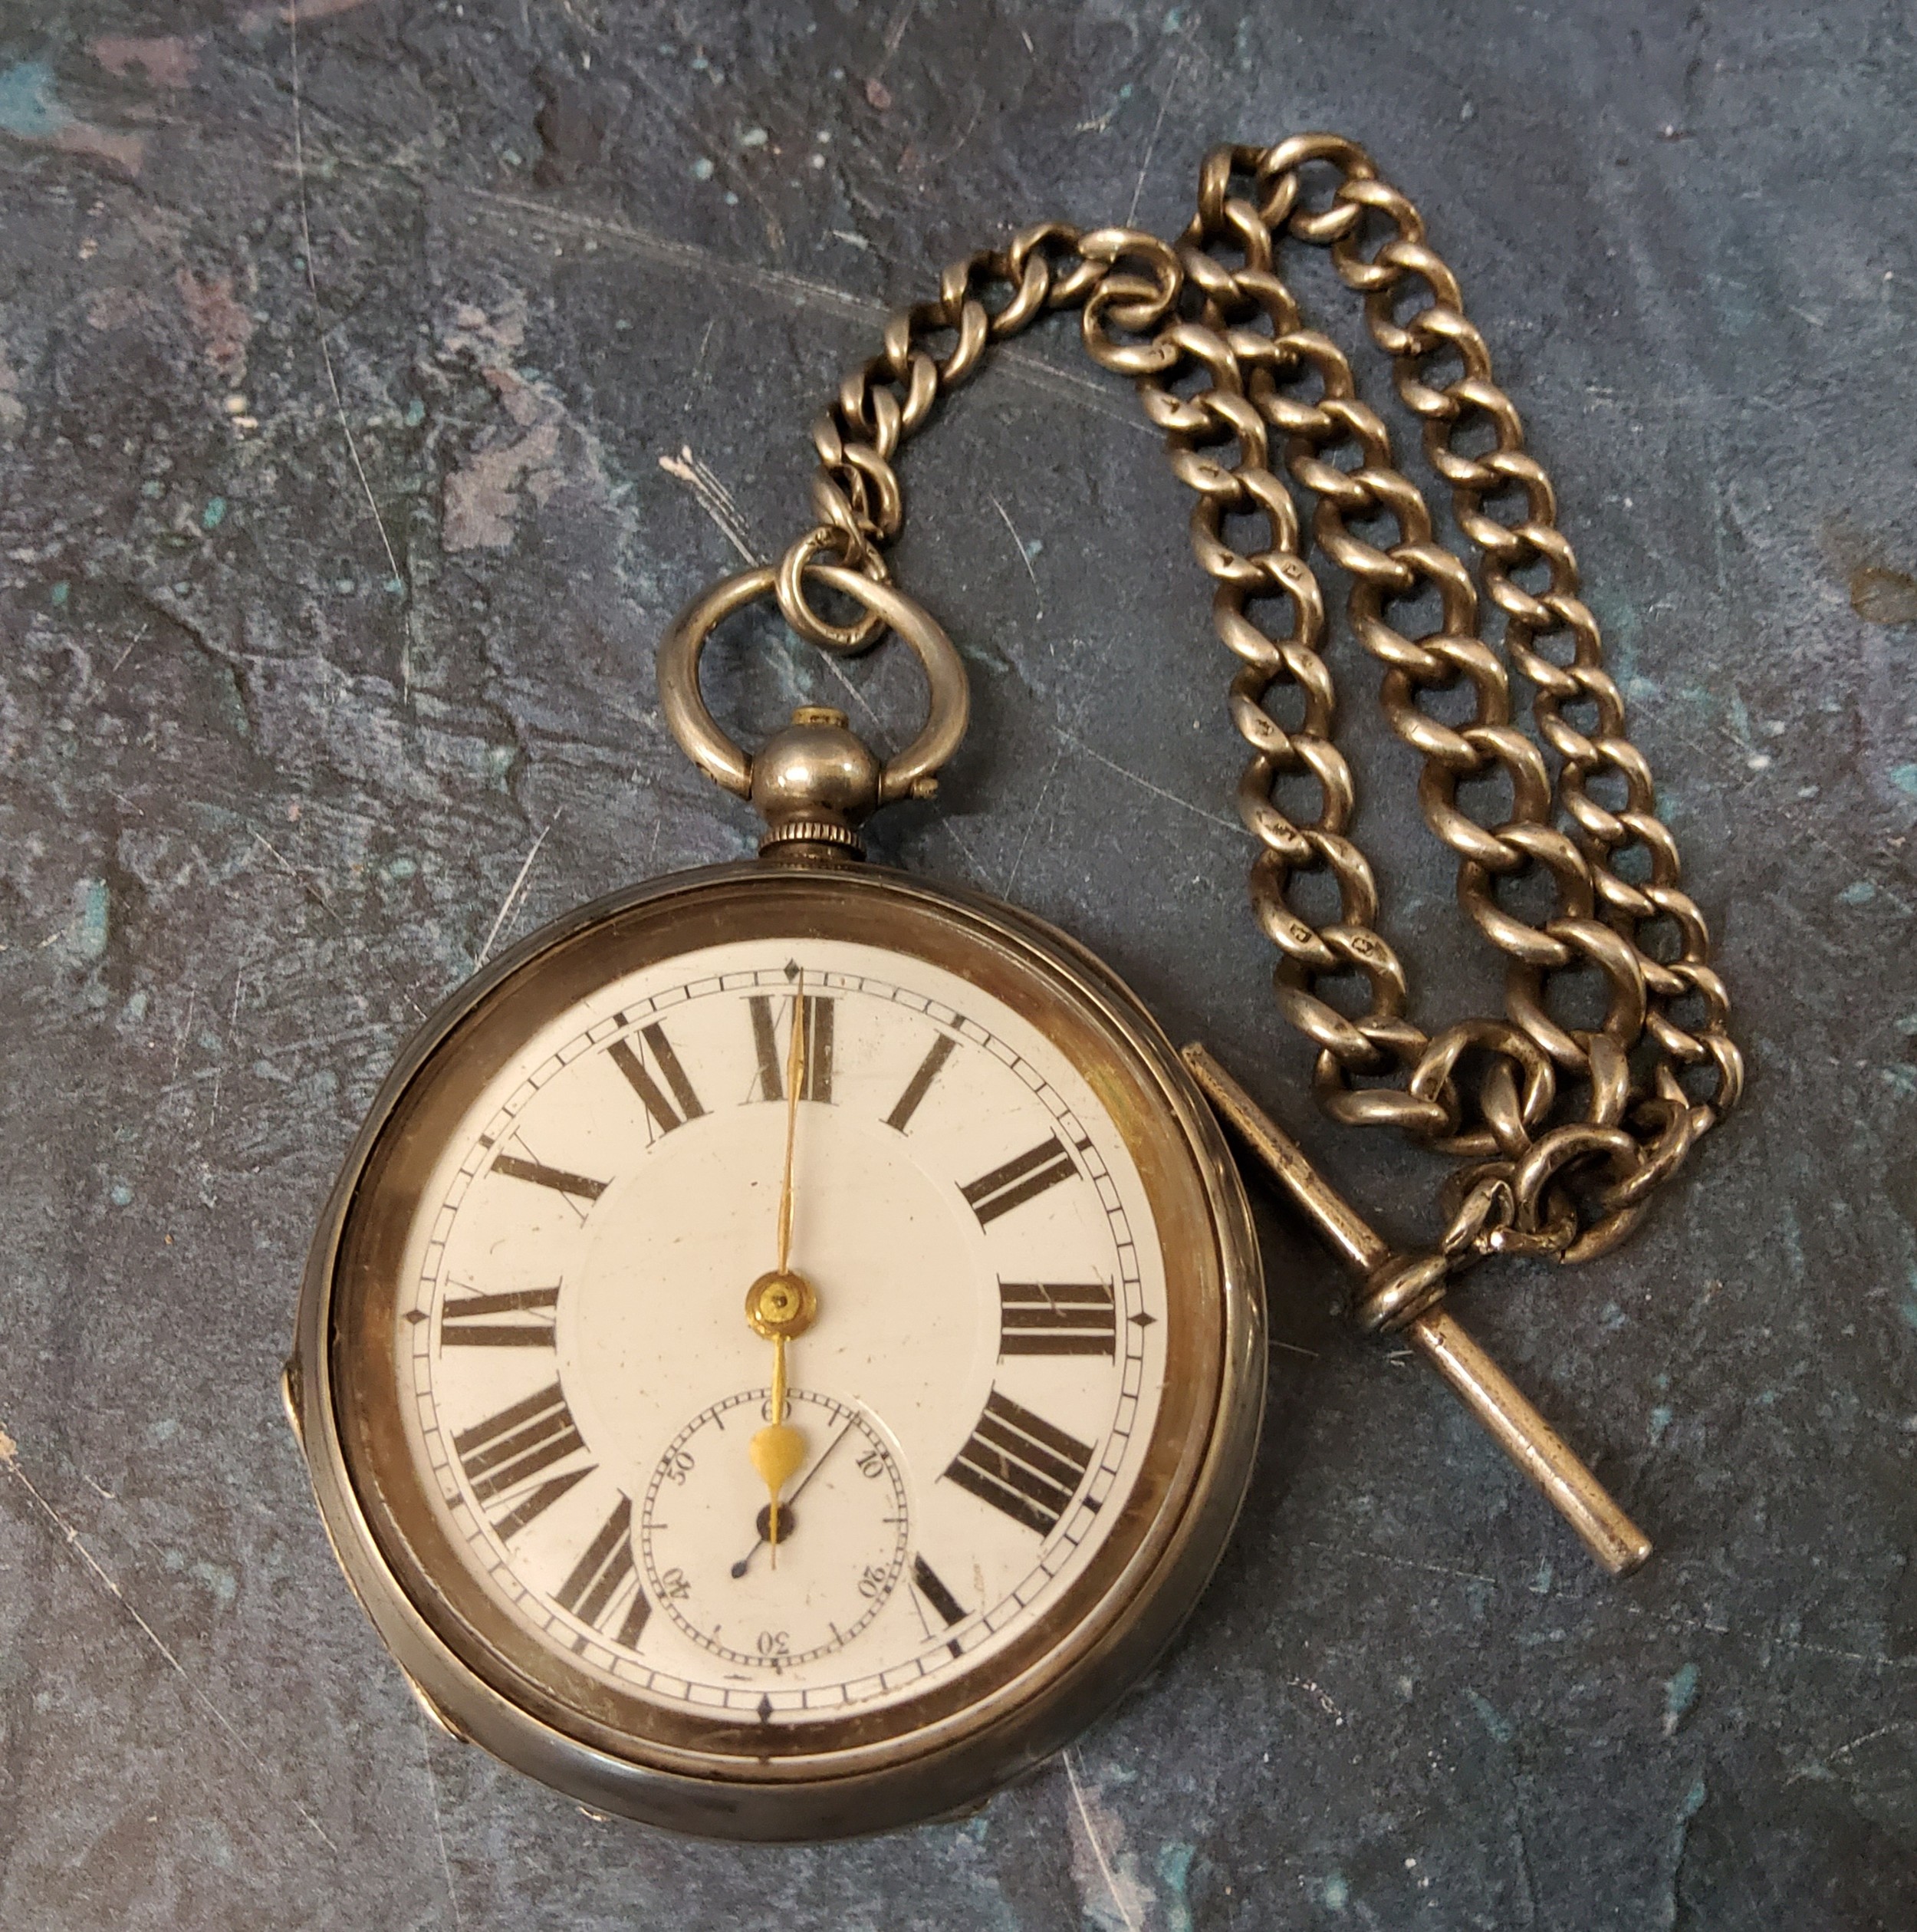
(778, 1305)
(782, 1304)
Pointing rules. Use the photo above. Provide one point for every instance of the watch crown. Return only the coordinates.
(815, 782)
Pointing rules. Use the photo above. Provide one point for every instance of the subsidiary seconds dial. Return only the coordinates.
(708, 1556)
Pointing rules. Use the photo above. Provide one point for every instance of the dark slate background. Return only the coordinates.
(267, 791)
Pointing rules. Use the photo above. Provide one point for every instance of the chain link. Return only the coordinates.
(1562, 1132)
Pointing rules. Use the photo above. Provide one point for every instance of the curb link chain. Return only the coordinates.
(1224, 364)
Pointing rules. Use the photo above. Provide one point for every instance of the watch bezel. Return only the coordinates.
(474, 1683)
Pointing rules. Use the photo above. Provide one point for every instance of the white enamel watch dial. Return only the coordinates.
(1003, 1414)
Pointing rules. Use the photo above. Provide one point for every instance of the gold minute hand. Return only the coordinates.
(782, 1304)
(795, 1080)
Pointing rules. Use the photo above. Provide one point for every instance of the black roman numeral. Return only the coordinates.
(665, 1114)
(1056, 1318)
(537, 1503)
(467, 1322)
(576, 1186)
(1018, 1181)
(932, 1588)
(603, 1573)
(920, 1083)
(816, 1082)
(1018, 1463)
(512, 1447)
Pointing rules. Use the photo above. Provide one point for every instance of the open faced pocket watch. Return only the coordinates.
(787, 1350)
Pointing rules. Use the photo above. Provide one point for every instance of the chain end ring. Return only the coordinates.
(854, 551)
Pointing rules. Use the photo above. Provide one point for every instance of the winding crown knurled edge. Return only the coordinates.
(812, 831)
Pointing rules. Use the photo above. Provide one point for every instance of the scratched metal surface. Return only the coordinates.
(273, 776)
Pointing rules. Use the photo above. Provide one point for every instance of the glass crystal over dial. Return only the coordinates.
(971, 1394)
(783, 1353)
